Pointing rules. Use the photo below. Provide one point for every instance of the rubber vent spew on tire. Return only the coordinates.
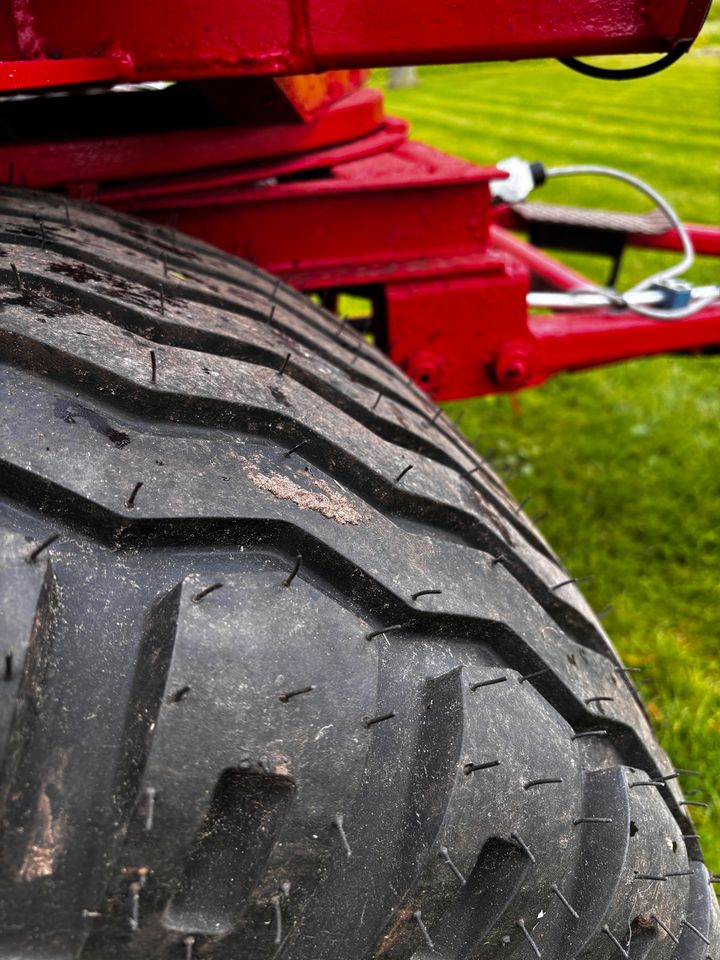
(267, 691)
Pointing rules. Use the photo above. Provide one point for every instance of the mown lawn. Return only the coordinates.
(625, 460)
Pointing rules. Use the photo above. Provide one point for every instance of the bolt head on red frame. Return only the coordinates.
(514, 364)
(425, 368)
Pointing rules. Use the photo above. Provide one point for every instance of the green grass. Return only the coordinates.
(626, 460)
(711, 31)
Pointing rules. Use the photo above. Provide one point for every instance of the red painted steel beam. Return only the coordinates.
(43, 164)
(452, 332)
(414, 224)
(705, 240)
(576, 341)
(465, 335)
(167, 39)
(36, 74)
(547, 272)
(371, 213)
(495, 347)
(193, 188)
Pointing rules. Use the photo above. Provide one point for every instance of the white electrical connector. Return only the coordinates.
(519, 183)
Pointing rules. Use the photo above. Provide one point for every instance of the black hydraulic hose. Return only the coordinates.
(627, 73)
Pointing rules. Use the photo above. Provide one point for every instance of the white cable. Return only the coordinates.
(688, 252)
(675, 270)
(587, 299)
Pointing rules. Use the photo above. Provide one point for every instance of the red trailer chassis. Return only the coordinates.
(307, 177)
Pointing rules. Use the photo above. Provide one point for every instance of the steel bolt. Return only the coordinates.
(513, 365)
(425, 369)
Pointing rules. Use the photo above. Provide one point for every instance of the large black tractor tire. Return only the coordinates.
(286, 671)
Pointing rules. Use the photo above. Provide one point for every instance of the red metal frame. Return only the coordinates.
(47, 42)
(344, 202)
(165, 154)
(306, 175)
(705, 239)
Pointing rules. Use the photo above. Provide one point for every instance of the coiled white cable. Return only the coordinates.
(676, 270)
(523, 177)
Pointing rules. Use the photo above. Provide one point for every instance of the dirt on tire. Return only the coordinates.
(287, 673)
